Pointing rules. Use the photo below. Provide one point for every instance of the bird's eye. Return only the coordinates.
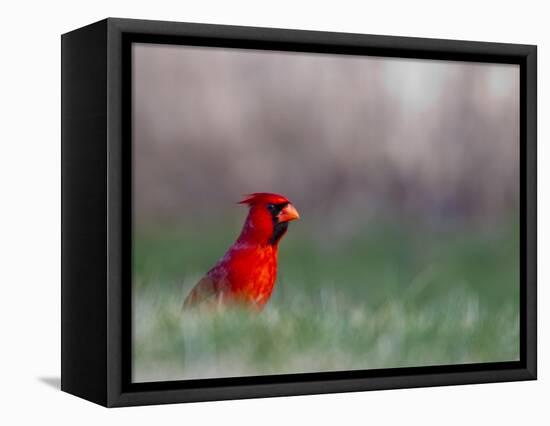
(271, 207)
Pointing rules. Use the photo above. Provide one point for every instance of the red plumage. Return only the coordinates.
(246, 274)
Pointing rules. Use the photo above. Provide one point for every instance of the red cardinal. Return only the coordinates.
(246, 274)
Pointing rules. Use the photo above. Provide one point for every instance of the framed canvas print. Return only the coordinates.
(252, 212)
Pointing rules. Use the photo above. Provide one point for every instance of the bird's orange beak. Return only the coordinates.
(288, 213)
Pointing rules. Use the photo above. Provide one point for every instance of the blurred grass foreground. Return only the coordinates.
(387, 297)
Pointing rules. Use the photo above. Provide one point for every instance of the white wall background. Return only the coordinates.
(30, 194)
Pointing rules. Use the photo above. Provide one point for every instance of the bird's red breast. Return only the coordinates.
(246, 274)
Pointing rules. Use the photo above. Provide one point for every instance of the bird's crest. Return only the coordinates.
(262, 197)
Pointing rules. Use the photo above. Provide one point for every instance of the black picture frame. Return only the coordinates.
(96, 212)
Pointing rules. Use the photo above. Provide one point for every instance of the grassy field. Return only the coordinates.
(386, 296)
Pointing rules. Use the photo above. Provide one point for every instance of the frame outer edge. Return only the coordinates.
(531, 214)
(83, 282)
(114, 212)
(420, 44)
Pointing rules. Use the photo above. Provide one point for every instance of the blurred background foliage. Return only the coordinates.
(405, 173)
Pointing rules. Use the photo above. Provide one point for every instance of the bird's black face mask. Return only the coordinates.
(279, 228)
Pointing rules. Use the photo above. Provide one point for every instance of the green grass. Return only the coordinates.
(386, 296)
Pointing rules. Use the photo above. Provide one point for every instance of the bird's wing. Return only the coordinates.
(206, 292)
